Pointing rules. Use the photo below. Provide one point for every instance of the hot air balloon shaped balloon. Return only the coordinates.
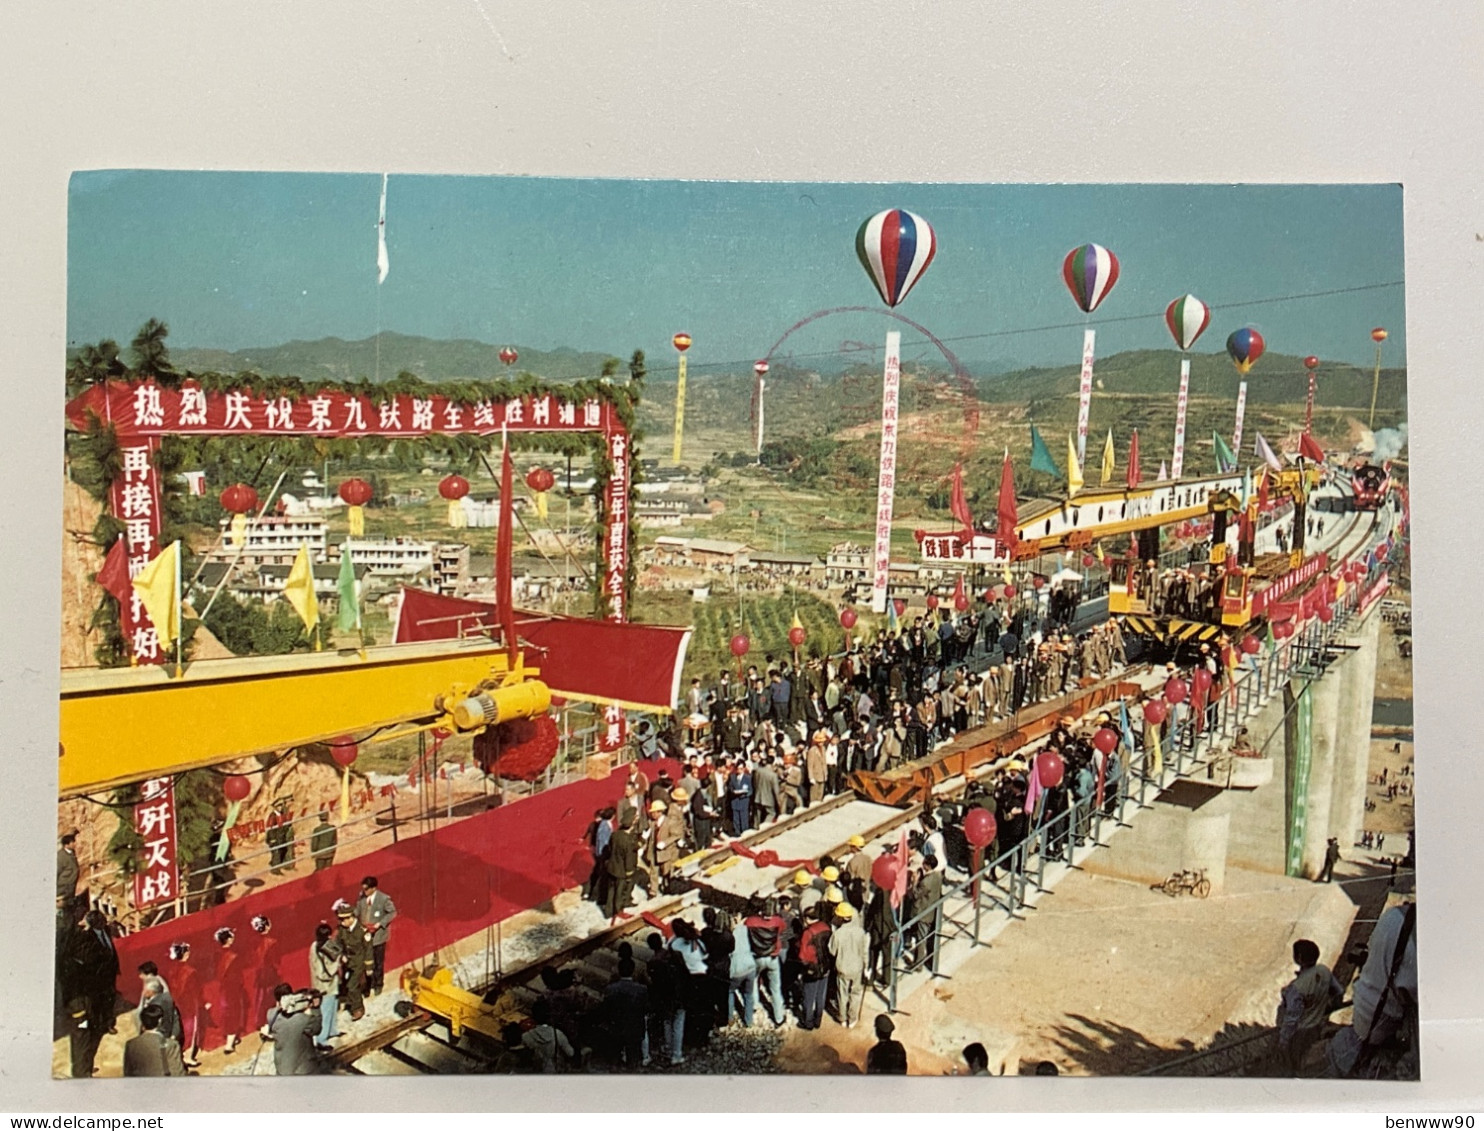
(1090, 272)
(895, 247)
(1245, 346)
(1187, 319)
(681, 341)
(509, 356)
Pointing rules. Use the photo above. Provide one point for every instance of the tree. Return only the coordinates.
(94, 364)
(637, 371)
(151, 355)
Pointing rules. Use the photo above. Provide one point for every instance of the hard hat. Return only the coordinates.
(802, 878)
(844, 911)
(834, 894)
(678, 794)
(857, 841)
(657, 806)
(831, 874)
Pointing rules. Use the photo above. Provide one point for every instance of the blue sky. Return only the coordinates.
(234, 260)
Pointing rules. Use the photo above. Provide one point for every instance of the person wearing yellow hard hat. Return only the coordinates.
(850, 950)
(834, 895)
(810, 895)
(830, 874)
(857, 870)
(670, 833)
(649, 847)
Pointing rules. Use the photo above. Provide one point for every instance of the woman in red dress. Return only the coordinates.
(185, 988)
(232, 989)
(264, 972)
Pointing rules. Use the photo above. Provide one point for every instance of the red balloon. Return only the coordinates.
(1325, 613)
(1106, 740)
(1156, 711)
(681, 341)
(1009, 592)
(884, 871)
(344, 750)
(1176, 689)
(989, 596)
(1087, 561)
(960, 602)
(740, 645)
(900, 606)
(932, 601)
(979, 827)
(848, 618)
(1283, 630)
(356, 492)
(1050, 769)
(453, 487)
(760, 367)
(796, 636)
(236, 787)
(1378, 334)
(1251, 645)
(1201, 681)
(239, 499)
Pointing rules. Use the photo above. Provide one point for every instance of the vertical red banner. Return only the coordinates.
(613, 730)
(158, 878)
(135, 501)
(616, 526)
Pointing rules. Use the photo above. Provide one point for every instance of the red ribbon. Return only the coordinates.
(767, 858)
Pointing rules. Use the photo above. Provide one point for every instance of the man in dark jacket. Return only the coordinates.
(91, 969)
(292, 1025)
(152, 1053)
(322, 843)
(887, 1057)
(357, 959)
(623, 865)
(627, 1005)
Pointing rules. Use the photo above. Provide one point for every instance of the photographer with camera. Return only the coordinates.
(292, 1026)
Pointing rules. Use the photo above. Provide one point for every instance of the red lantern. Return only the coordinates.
(932, 601)
(848, 618)
(236, 788)
(1251, 645)
(239, 499)
(1176, 689)
(509, 356)
(1156, 711)
(796, 636)
(884, 871)
(540, 479)
(1050, 769)
(1009, 592)
(979, 827)
(356, 492)
(1200, 681)
(740, 645)
(453, 487)
(1106, 740)
(681, 341)
(1311, 362)
(344, 750)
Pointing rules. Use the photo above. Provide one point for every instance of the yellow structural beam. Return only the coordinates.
(123, 725)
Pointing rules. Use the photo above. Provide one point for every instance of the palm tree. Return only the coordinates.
(93, 365)
(151, 355)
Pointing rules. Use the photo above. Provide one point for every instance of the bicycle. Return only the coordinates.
(1186, 882)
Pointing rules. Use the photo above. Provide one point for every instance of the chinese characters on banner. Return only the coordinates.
(1178, 463)
(158, 878)
(616, 525)
(613, 730)
(134, 499)
(1084, 401)
(1241, 410)
(887, 474)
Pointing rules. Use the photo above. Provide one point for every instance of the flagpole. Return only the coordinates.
(179, 618)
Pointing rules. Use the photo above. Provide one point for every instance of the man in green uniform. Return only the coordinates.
(358, 960)
(322, 843)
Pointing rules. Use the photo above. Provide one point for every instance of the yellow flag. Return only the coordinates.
(1074, 472)
(1109, 459)
(299, 592)
(1098, 552)
(158, 586)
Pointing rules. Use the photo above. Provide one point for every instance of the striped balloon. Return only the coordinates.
(895, 247)
(1090, 272)
(1187, 319)
(1245, 346)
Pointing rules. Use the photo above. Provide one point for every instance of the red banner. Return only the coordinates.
(134, 498)
(158, 878)
(616, 525)
(615, 729)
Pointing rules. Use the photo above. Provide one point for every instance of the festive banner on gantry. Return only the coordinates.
(887, 471)
(1177, 465)
(1241, 411)
(158, 878)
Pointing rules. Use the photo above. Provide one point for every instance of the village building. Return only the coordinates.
(273, 540)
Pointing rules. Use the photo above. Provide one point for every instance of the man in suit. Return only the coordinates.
(91, 967)
(155, 993)
(292, 1025)
(928, 892)
(68, 872)
(622, 864)
(152, 1053)
(375, 912)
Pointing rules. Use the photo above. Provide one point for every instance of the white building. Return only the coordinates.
(274, 540)
(391, 557)
(847, 562)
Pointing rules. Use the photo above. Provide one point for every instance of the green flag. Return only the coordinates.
(1225, 460)
(1041, 458)
(350, 603)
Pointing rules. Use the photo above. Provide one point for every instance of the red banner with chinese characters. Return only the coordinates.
(613, 730)
(616, 525)
(135, 501)
(158, 878)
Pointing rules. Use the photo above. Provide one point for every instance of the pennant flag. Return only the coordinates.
(1110, 461)
(114, 576)
(1265, 452)
(299, 592)
(957, 503)
(383, 264)
(1006, 512)
(1309, 449)
(1041, 457)
(1074, 472)
(899, 888)
(158, 586)
(1097, 552)
(505, 550)
(350, 598)
(960, 598)
(1135, 476)
(1226, 459)
(1246, 487)
(1005, 573)
(893, 627)
(1262, 489)
(1164, 472)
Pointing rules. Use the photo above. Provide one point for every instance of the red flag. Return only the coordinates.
(1008, 514)
(505, 552)
(904, 857)
(1262, 490)
(1134, 477)
(1309, 449)
(960, 598)
(114, 576)
(957, 503)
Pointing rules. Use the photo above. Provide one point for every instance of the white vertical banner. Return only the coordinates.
(887, 475)
(1241, 411)
(1089, 337)
(762, 389)
(1178, 464)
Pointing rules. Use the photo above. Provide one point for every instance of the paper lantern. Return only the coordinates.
(979, 827)
(356, 493)
(1156, 711)
(884, 871)
(236, 788)
(1106, 740)
(240, 500)
(1251, 645)
(740, 645)
(454, 488)
(1176, 689)
(1050, 769)
(848, 618)
(540, 481)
